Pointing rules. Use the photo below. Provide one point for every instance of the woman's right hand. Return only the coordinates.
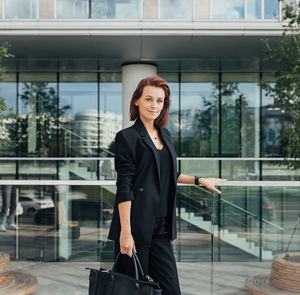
(127, 243)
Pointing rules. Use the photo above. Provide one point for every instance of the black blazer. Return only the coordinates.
(138, 180)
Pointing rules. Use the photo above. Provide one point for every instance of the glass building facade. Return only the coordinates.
(62, 127)
(138, 9)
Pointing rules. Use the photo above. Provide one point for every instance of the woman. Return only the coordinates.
(144, 218)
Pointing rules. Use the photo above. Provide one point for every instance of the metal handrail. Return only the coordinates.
(178, 158)
(251, 214)
(236, 159)
(54, 158)
(113, 182)
(236, 207)
(84, 139)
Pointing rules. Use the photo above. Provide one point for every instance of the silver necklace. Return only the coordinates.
(154, 136)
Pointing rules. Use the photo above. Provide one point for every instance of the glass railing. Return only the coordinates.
(102, 168)
(58, 222)
(68, 221)
(249, 221)
(240, 169)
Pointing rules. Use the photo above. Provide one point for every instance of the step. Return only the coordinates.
(225, 235)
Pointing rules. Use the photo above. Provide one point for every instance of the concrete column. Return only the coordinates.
(131, 75)
(150, 9)
(202, 9)
(46, 8)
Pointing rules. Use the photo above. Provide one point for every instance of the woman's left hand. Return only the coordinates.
(211, 182)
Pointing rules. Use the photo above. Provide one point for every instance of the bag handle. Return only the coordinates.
(136, 263)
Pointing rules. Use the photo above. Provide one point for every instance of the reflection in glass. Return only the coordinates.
(107, 169)
(199, 115)
(277, 171)
(110, 113)
(284, 202)
(72, 222)
(224, 9)
(194, 243)
(205, 168)
(36, 240)
(239, 214)
(9, 212)
(176, 9)
(38, 114)
(274, 122)
(8, 117)
(271, 9)
(254, 9)
(72, 8)
(8, 169)
(37, 169)
(79, 120)
(78, 169)
(115, 9)
(65, 223)
(240, 115)
(20, 8)
(240, 170)
(173, 125)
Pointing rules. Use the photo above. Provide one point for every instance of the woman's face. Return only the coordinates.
(151, 102)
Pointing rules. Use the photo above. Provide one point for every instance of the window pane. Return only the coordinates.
(224, 9)
(240, 115)
(54, 229)
(176, 9)
(254, 9)
(79, 114)
(271, 9)
(38, 112)
(119, 9)
(274, 122)
(199, 115)
(7, 117)
(110, 113)
(72, 8)
(20, 9)
(173, 124)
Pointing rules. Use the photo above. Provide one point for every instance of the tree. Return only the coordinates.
(7, 117)
(42, 119)
(285, 90)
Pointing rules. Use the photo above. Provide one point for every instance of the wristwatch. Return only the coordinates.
(197, 180)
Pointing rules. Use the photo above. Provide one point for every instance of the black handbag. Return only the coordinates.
(110, 282)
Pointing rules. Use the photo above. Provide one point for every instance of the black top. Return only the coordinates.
(163, 217)
(165, 177)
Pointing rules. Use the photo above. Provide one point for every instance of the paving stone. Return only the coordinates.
(201, 278)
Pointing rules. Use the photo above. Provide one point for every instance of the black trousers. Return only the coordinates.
(157, 260)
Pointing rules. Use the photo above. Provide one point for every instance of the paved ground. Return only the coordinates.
(201, 278)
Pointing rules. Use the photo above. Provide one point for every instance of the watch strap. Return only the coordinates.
(197, 180)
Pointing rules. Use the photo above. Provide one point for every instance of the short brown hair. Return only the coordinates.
(156, 81)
